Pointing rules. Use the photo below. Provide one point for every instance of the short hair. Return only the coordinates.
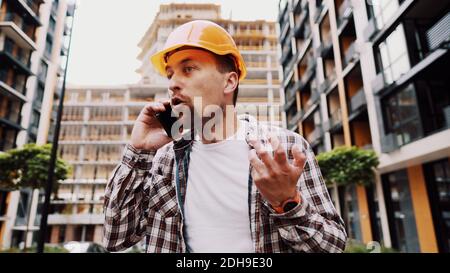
(225, 64)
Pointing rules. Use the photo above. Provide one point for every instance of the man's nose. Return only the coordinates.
(174, 85)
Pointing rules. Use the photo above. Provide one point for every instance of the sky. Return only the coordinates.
(106, 33)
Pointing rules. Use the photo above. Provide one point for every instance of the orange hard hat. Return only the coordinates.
(201, 34)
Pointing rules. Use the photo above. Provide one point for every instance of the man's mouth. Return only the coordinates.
(176, 101)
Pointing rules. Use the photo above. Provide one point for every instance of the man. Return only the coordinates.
(236, 187)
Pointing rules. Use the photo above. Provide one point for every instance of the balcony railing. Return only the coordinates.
(358, 100)
(312, 99)
(326, 47)
(351, 54)
(18, 55)
(33, 6)
(293, 122)
(371, 29)
(447, 116)
(389, 143)
(330, 77)
(319, 10)
(336, 118)
(16, 19)
(379, 83)
(315, 134)
(345, 11)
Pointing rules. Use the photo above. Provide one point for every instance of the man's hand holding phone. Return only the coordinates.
(148, 133)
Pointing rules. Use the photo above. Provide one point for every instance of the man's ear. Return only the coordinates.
(231, 82)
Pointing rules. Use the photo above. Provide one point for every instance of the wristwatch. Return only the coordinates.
(288, 204)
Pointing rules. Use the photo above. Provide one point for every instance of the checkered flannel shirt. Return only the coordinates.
(151, 206)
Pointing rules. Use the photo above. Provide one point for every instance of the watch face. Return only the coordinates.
(289, 206)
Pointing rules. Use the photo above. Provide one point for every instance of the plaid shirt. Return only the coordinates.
(151, 206)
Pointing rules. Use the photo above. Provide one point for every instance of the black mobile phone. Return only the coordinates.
(166, 119)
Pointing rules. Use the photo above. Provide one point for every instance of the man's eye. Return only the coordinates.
(188, 69)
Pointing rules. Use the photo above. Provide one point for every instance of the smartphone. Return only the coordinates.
(166, 119)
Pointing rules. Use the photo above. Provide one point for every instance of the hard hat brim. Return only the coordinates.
(159, 62)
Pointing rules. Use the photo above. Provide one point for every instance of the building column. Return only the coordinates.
(11, 214)
(54, 235)
(69, 233)
(382, 211)
(422, 211)
(366, 229)
(98, 234)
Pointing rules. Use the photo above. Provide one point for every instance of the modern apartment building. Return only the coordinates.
(97, 120)
(373, 74)
(32, 58)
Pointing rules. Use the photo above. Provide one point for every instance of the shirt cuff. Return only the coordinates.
(300, 211)
(135, 158)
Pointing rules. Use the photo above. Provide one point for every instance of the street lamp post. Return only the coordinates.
(51, 168)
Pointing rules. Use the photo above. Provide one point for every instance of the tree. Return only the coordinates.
(27, 167)
(348, 165)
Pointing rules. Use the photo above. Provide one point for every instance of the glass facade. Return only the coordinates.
(383, 10)
(350, 211)
(438, 182)
(402, 115)
(402, 222)
(392, 54)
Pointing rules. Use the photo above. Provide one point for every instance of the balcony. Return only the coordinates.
(351, 54)
(389, 143)
(334, 121)
(371, 29)
(300, 24)
(31, 9)
(319, 8)
(310, 69)
(357, 101)
(313, 99)
(315, 135)
(17, 55)
(344, 12)
(15, 28)
(64, 50)
(379, 83)
(447, 116)
(325, 49)
(293, 122)
(289, 67)
(287, 52)
(326, 84)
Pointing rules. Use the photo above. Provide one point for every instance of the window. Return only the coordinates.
(433, 97)
(374, 213)
(402, 223)
(48, 47)
(3, 204)
(35, 119)
(383, 10)
(438, 184)
(23, 207)
(43, 71)
(350, 211)
(51, 25)
(402, 116)
(392, 56)
(7, 137)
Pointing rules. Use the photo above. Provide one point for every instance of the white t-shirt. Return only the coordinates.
(216, 205)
